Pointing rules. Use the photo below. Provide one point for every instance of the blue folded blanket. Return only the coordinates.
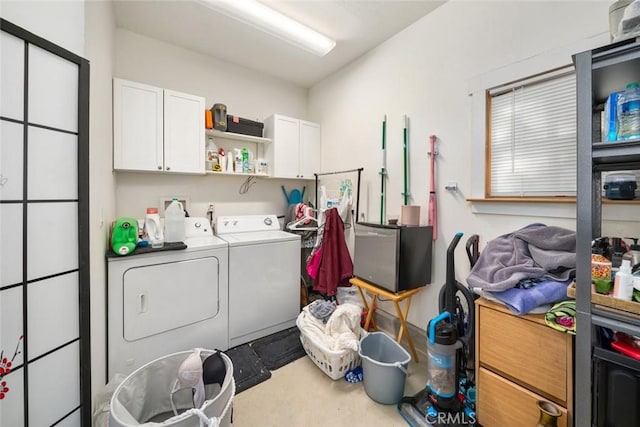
(522, 301)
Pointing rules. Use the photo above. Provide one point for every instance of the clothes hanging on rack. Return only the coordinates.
(336, 266)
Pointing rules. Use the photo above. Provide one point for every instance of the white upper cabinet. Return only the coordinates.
(295, 151)
(157, 129)
(183, 132)
(309, 149)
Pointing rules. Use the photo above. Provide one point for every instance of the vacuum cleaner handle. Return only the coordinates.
(450, 283)
(473, 250)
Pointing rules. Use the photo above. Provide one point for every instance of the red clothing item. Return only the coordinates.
(336, 266)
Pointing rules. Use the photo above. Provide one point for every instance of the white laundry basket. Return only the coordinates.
(144, 397)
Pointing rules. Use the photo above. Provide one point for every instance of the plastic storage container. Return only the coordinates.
(153, 229)
(384, 368)
(174, 226)
(620, 186)
(629, 112)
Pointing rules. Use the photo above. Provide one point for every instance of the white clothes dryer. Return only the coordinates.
(168, 301)
(264, 276)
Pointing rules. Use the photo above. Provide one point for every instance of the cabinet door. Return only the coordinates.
(309, 149)
(285, 147)
(137, 126)
(183, 132)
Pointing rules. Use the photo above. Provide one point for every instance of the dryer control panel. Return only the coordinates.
(246, 223)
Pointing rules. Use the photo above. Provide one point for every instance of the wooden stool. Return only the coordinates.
(377, 292)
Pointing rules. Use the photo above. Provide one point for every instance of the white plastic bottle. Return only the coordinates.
(153, 229)
(623, 284)
(174, 224)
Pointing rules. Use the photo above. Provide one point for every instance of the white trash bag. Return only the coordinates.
(162, 392)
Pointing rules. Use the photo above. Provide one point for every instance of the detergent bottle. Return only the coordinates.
(174, 224)
(153, 229)
(124, 236)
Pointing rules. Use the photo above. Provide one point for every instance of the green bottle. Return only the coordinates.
(245, 160)
(124, 236)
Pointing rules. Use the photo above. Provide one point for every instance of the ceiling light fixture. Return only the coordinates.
(268, 20)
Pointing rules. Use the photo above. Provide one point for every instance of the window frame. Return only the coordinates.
(543, 76)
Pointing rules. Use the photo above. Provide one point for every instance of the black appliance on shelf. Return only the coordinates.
(393, 257)
(242, 126)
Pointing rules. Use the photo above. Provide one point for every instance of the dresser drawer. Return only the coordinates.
(503, 403)
(526, 351)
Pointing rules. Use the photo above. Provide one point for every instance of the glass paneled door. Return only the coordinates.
(44, 238)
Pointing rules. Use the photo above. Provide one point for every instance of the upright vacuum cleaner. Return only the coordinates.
(449, 397)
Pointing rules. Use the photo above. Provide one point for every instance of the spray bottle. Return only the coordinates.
(623, 283)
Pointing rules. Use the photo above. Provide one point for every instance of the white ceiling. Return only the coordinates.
(357, 26)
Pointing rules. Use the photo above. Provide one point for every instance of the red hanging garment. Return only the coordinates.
(336, 266)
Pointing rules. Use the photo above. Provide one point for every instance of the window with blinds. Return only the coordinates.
(532, 136)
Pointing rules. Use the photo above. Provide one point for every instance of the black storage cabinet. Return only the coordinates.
(616, 397)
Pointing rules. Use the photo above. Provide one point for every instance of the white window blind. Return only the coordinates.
(533, 136)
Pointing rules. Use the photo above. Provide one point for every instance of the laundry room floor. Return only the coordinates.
(300, 394)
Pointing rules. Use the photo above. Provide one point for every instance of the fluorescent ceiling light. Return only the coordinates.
(268, 20)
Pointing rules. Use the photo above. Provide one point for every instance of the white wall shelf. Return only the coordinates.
(237, 137)
(264, 175)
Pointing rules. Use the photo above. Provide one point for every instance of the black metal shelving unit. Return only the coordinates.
(598, 72)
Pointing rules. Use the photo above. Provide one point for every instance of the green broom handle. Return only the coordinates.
(404, 146)
(383, 171)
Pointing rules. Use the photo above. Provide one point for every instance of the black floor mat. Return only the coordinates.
(248, 369)
(279, 349)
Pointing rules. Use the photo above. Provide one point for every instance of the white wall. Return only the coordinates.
(246, 93)
(426, 72)
(60, 22)
(100, 28)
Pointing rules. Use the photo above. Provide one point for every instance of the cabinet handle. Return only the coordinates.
(159, 168)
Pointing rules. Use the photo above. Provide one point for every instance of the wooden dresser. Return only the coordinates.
(520, 360)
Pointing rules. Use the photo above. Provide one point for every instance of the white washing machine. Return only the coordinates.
(163, 302)
(264, 276)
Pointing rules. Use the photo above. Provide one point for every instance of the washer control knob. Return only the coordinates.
(235, 222)
(197, 225)
(268, 221)
(226, 223)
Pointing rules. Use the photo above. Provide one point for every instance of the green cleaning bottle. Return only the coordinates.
(245, 160)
